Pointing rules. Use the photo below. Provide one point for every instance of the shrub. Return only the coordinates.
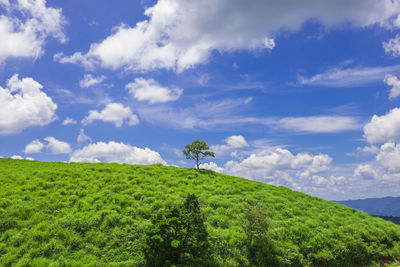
(178, 237)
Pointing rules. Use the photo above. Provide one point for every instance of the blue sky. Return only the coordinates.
(303, 94)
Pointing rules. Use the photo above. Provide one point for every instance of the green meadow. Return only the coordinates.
(86, 214)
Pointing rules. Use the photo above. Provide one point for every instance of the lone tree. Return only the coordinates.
(197, 150)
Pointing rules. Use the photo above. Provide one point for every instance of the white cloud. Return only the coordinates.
(393, 81)
(236, 141)
(269, 164)
(396, 22)
(348, 77)
(385, 128)
(233, 143)
(34, 147)
(176, 35)
(220, 150)
(389, 157)
(269, 43)
(26, 102)
(211, 166)
(280, 167)
(90, 80)
(82, 137)
(385, 167)
(235, 66)
(69, 121)
(224, 114)
(306, 172)
(76, 58)
(116, 152)
(366, 171)
(392, 47)
(57, 147)
(151, 91)
(23, 35)
(19, 157)
(219, 113)
(318, 124)
(115, 113)
(5, 3)
(248, 99)
(366, 150)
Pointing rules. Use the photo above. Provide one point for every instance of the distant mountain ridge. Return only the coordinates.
(387, 206)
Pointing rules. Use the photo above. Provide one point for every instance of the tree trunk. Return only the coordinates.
(197, 161)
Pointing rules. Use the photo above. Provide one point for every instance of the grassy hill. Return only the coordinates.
(74, 214)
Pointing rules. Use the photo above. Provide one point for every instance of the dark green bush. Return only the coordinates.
(178, 237)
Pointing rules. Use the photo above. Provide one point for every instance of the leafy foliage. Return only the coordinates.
(393, 219)
(197, 150)
(85, 214)
(259, 244)
(178, 237)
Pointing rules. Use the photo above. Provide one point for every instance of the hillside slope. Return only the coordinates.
(97, 214)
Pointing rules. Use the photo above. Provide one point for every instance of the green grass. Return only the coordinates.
(74, 214)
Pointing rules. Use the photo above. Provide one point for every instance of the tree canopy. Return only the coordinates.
(198, 150)
(178, 237)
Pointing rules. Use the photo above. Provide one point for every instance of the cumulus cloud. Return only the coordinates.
(386, 165)
(82, 137)
(90, 80)
(26, 102)
(231, 143)
(116, 152)
(281, 167)
(366, 171)
(34, 147)
(393, 81)
(69, 121)
(211, 166)
(268, 164)
(151, 91)
(389, 157)
(236, 141)
(392, 46)
(20, 157)
(113, 112)
(53, 145)
(25, 27)
(180, 34)
(57, 147)
(385, 128)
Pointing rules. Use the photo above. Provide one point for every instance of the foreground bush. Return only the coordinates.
(178, 237)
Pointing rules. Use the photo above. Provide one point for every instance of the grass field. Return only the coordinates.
(74, 214)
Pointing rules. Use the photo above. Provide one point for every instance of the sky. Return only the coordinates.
(304, 94)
